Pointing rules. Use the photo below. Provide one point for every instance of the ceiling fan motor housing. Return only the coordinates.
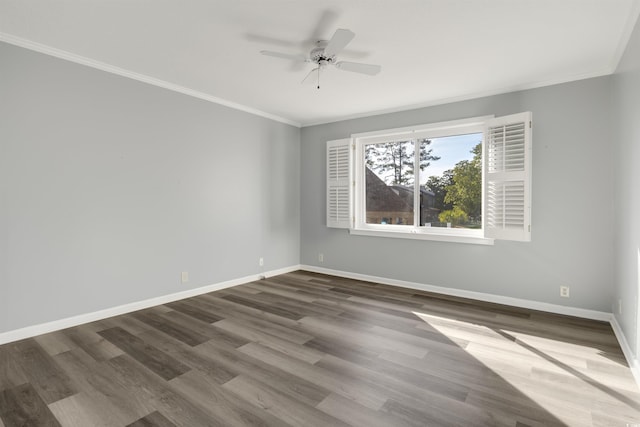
(317, 54)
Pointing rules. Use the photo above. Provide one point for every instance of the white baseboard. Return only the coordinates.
(480, 296)
(634, 364)
(43, 328)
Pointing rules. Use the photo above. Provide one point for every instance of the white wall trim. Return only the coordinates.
(43, 328)
(480, 296)
(634, 364)
(72, 57)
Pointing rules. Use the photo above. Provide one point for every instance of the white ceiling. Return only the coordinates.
(431, 51)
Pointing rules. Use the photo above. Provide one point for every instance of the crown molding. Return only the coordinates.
(103, 66)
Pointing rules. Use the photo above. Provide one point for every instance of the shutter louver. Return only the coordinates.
(338, 188)
(507, 193)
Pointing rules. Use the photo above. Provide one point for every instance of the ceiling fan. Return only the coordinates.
(325, 53)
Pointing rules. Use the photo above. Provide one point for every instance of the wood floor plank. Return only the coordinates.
(425, 339)
(608, 419)
(296, 388)
(361, 337)
(582, 388)
(419, 414)
(82, 409)
(207, 330)
(11, 374)
(363, 294)
(92, 343)
(357, 415)
(154, 419)
(524, 413)
(155, 360)
(395, 388)
(98, 381)
(193, 357)
(55, 343)
(263, 307)
(288, 410)
(563, 410)
(226, 405)
(50, 382)
(410, 375)
(158, 394)
(189, 308)
(169, 327)
(272, 287)
(289, 333)
(337, 384)
(460, 370)
(293, 306)
(301, 352)
(126, 322)
(311, 290)
(231, 309)
(343, 349)
(22, 406)
(283, 332)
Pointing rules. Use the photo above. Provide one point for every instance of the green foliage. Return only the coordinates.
(455, 216)
(393, 161)
(438, 185)
(465, 192)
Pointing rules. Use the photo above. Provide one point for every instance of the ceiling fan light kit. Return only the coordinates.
(325, 53)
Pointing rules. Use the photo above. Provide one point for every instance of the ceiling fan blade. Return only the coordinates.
(326, 22)
(339, 41)
(357, 67)
(309, 78)
(299, 57)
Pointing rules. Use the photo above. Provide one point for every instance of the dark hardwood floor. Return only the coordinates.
(304, 349)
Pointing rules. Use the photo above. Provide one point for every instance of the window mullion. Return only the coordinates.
(416, 184)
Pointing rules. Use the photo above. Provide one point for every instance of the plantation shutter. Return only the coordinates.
(338, 183)
(507, 168)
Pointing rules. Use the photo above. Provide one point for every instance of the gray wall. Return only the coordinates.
(572, 213)
(109, 188)
(626, 121)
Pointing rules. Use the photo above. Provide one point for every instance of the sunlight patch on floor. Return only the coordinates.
(519, 358)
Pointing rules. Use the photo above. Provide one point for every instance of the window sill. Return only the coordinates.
(434, 236)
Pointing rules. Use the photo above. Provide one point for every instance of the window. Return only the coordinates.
(465, 180)
(444, 172)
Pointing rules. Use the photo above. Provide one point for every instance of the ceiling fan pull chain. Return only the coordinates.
(318, 77)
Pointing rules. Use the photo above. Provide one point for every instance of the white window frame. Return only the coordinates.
(506, 180)
(429, 131)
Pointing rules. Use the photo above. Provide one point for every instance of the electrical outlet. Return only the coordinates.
(261, 262)
(184, 277)
(564, 291)
(320, 257)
